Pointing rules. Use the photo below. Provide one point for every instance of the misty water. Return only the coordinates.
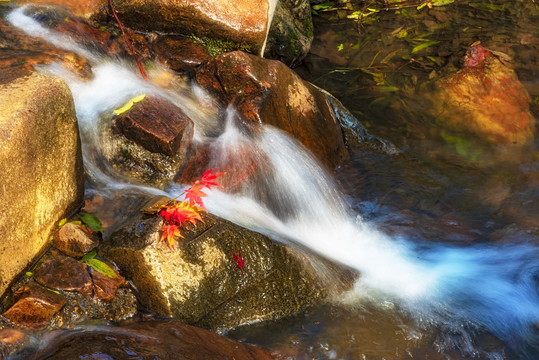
(443, 273)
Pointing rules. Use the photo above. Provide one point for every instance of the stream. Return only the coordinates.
(443, 235)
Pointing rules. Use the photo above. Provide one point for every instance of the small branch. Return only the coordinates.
(127, 41)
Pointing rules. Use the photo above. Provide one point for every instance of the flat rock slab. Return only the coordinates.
(65, 273)
(34, 306)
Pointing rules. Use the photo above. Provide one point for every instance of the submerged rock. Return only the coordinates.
(268, 92)
(34, 306)
(485, 98)
(200, 283)
(83, 8)
(41, 166)
(144, 340)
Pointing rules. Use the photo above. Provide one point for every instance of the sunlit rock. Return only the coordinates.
(34, 306)
(166, 340)
(83, 8)
(201, 284)
(485, 98)
(74, 240)
(41, 166)
(243, 22)
(291, 32)
(268, 92)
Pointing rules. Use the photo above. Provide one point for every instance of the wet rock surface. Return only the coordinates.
(200, 283)
(65, 273)
(144, 340)
(243, 22)
(34, 306)
(157, 125)
(267, 92)
(74, 240)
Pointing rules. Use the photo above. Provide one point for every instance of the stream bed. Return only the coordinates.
(444, 234)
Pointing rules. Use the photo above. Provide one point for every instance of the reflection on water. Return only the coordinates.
(415, 298)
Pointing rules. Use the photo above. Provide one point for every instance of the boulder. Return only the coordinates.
(268, 92)
(485, 98)
(34, 306)
(243, 22)
(201, 284)
(291, 32)
(166, 340)
(41, 166)
(74, 240)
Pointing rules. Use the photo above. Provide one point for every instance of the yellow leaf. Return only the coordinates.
(129, 104)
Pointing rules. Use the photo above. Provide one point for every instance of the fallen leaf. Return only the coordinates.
(208, 177)
(101, 267)
(195, 195)
(92, 222)
(168, 233)
(239, 261)
(129, 104)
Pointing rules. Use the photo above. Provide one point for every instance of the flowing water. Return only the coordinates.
(471, 292)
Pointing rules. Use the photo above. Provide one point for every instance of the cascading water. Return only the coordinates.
(478, 288)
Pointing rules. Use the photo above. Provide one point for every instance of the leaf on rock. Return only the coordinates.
(129, 104)
(101, 267)
(239, 261)
(168, 233)
(92, 222)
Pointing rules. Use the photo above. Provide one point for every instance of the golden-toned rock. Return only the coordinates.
(34, 306)
(201, 284)
(82, 8)
(41, 166)
(485, 98)
(244, 22)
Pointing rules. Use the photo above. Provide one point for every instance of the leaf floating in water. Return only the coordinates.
(101, 267)
(129, 104)
(340, 47)
(92, 222)
(92, 254)
(423, 46)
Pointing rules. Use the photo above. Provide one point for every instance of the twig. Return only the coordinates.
(127, 41)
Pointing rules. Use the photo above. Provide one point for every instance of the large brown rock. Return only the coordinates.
(485, 98)
(83, 8)
(244, 22)
(41, 166)
(147, 340)
(268, 92)
(74, 240)
(201, 284)
(34, 306)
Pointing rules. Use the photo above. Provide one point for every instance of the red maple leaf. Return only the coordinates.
(168, 234)
(184, 212)
(195, 195)
(239, 261)
(207, 179)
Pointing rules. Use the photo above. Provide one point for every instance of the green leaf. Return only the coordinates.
(442, 2)
(423, 46)
(340, 47)
(494, 6)
(101, 267)
(92, 222)
(92, 254)
(323, 6)
(421, 6)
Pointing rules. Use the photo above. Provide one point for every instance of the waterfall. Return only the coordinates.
(490, 288)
